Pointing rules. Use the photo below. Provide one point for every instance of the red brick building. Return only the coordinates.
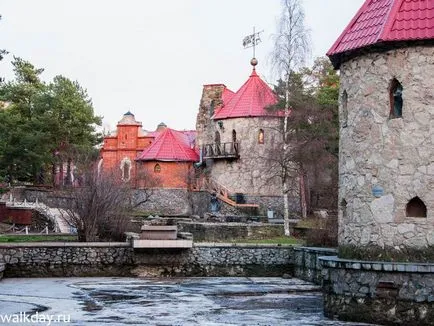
(163, 158)
(121, 148)
(170, 159)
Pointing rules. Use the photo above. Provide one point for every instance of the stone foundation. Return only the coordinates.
(120, 259)
(383, 293)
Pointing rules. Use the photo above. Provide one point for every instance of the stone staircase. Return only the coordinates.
(225, 195)
(56, 215)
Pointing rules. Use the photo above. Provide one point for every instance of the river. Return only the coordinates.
(169, 301)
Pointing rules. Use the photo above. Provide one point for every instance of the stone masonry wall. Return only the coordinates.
(378, 292)
(220, 232)
(394, 154)
(119, 259)
(307, 265)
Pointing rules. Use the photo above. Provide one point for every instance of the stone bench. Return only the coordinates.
(159, 232)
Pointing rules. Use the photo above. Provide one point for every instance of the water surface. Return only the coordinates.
(173, 301)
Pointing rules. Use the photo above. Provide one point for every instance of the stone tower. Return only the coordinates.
(386, 169)
(237, 134)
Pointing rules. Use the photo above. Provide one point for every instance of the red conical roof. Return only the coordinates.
(249, 101)
(171, 145)
(382, 22)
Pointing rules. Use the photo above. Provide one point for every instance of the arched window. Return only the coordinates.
(211, 108)
(344, 109)
(157, 168)
(217, 138)
(261, 136)
(344, 209)
(415, 208)
(126, 169)
(234, 136)
(396, 101)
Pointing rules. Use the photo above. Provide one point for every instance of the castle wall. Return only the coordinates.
(253, 173)
(392, 157)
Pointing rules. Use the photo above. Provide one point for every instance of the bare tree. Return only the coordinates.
(100, 209)
(291, 47)
(147, 181)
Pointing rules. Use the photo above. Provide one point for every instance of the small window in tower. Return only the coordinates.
(211, 108)
(261, 136)
(416, 208)
(126, 136)
(234, 136)
(157, 168)
(344, 209)
(344, 109)
(395, 94)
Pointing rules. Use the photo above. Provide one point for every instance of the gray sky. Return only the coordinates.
(152, 57)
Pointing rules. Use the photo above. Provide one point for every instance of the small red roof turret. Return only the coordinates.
(251, 100)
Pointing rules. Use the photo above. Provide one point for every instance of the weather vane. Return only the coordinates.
(250, 41)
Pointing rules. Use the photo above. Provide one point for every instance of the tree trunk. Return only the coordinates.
(285, 174)
(286, 211)
(303, 201)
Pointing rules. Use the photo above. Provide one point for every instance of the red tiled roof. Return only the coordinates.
(249, 101)
(379, 21)
(171, 145)
(227, 95)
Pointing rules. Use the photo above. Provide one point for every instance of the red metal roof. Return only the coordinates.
(249, 101)
(171, 145)
(227, 95)
(379, 21)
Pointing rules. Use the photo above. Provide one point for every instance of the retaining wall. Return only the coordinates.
(210, 232)
(383, 293)
(120, 259)
(307, 265)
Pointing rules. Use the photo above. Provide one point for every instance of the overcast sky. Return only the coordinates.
(152, 57)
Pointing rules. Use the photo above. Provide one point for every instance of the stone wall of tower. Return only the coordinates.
(205, 126)
(393, 158)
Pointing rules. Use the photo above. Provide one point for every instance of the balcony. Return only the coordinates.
(221, 151)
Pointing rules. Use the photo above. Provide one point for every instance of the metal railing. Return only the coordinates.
(224, 150)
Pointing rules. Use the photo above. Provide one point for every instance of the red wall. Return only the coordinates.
(127, 143)
(15, 215)
(172, 175)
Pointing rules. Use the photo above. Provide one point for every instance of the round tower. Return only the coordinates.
(386, 169)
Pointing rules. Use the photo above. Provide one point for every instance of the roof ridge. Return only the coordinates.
(391, 16)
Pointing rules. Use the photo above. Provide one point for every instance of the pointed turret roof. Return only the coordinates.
(384, 23)
(171, 145)
(251, 100)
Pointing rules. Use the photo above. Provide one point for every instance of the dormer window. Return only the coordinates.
(396, 101)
